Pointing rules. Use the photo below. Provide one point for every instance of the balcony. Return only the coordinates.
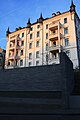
(12, 47)
(11, 58)
(54, 25)
(54, 36)
(12, 40)
(18, 47)
(53, 48)
(54, 60)
(17, 57)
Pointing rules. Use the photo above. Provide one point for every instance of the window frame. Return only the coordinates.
(21, 62)
(9, 63)
(17, 53)
(65, 30)
(22, 42)
(30, 56)
(37, 54)
(38, 34)
(30, 45)
(46, 26)
(65, 20)
(46, 35)
(22, 53)
(31, 36)
(66, 41)
(47, 46)
(38, 26)
(22, 35)
(30, 63)
(37, 63)
(31, 29)
(37, 44)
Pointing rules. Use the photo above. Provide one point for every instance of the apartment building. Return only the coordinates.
(41, 42)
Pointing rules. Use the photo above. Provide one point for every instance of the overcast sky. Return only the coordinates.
(15, 13)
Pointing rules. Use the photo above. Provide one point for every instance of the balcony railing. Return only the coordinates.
(54, 60)
(18, 47)
(12, 40)
(53, 36)
(54, 47)
(17, 57)
(54, 25)
(12, 47)
(11, 57)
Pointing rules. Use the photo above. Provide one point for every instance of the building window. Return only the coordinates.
(37, 63)
(30, 45)
(22, 34)
(22, 43)
(37, 54)
(46, 46)
(18, 43)
(31, 29)
(11, 44)
(21, 52)
(9, 54)
(30, 55)
(46, 26)
(66, 42)
(68, 53)
(21, 62)
(38, 26)
(65, 30)
(16, 62)
(9, 63)
(37, 44)
(65, 20)
(46, 35)
(54, 43)
(55, 55)
(38, 34)
(17, 53)
(54, 32)
(30, 63)
(30, 36)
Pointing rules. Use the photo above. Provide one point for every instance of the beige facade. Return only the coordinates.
(41, 42)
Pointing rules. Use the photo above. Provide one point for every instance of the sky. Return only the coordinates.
(15, 13)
